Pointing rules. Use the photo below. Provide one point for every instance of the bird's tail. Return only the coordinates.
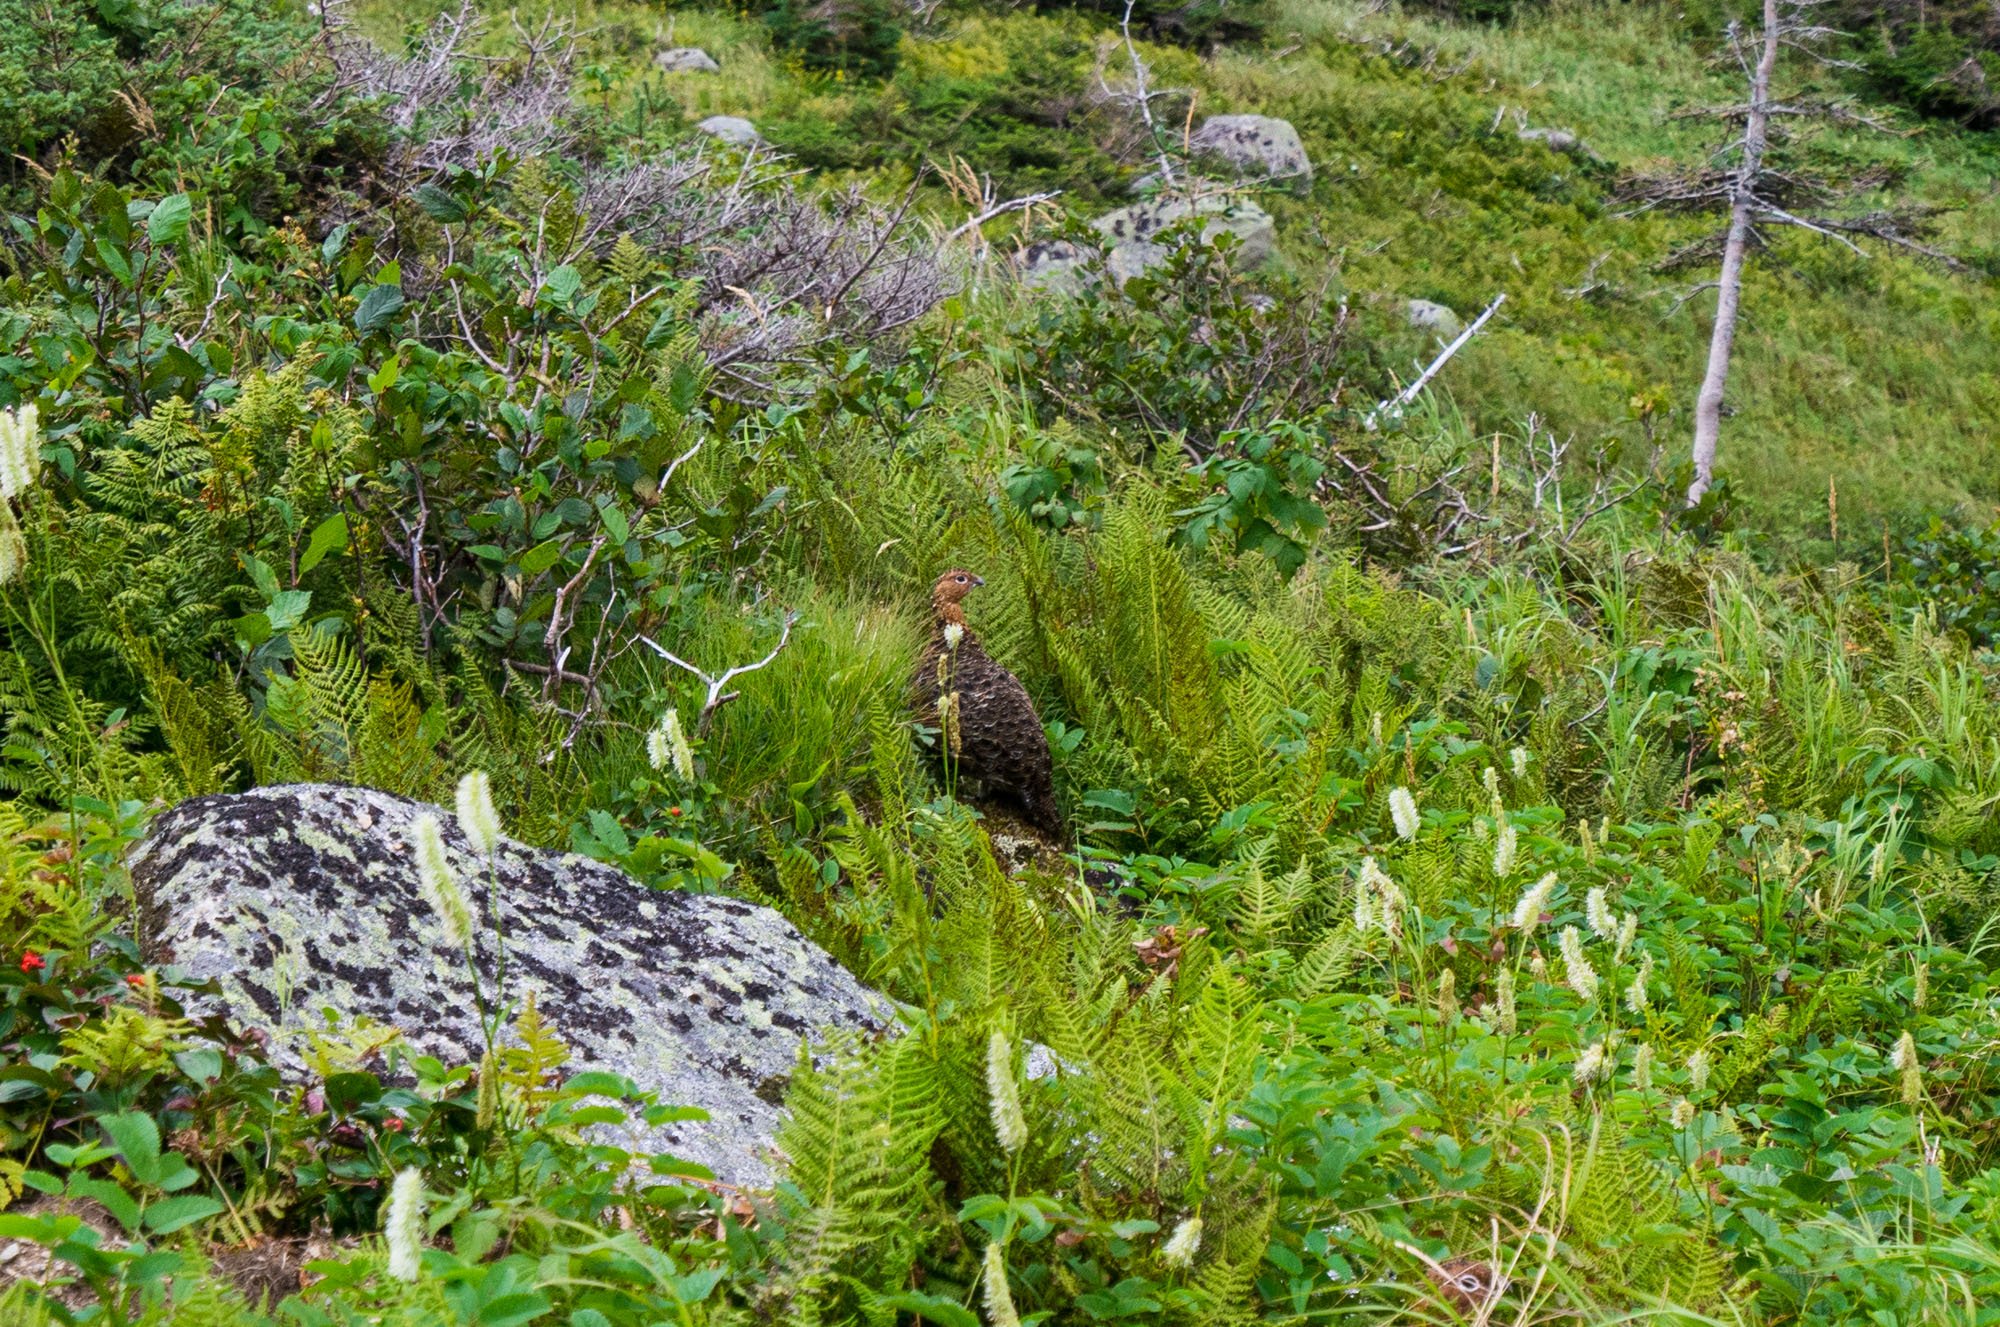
(1048, 818)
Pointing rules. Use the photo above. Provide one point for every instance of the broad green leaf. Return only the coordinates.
(136, 1136)
(541, 557)
(330, 536)
(288, 609)
(931, 1308)
(168, 221)
(110, 1197)
(253, 629)
(377, 307)
(512, 1310)
(262, 576)
(439, 204)
(171, 1214)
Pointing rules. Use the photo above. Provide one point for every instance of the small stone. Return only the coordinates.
(1559, 140)
(687, 60)
(731, 129)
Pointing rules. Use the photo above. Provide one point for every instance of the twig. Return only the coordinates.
(1409, 394)
(718, 695)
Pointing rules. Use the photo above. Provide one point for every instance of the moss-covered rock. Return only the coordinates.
(305, 898)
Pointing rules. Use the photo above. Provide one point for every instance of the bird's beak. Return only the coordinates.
(978, 581)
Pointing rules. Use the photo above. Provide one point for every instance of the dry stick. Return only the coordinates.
(990, 211)
(1145, 97)
(1409, 394)
(717, 696)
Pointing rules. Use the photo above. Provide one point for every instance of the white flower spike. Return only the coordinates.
(1403, 810)
(476, 817)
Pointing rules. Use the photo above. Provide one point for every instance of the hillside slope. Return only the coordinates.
(1867, 376)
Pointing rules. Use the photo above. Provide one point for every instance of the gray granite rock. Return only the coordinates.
(1255, 147)
(1434, 317)
(686, 60)
(1139, 226)
(1056, 265)
(731, 129)
(302, 898)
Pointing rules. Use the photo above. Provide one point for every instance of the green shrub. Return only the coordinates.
(859, 38)
(1954, 572)
(1937, 59)
(154, 93)
(1199, 23)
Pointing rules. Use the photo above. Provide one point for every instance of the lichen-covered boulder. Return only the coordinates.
(731, 129)
(686, 60)
(305, 898)
(1140, 225)
(1056, 265)
(1431, 316)
(1255, 147)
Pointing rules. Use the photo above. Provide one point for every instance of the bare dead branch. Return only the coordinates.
(718, 693)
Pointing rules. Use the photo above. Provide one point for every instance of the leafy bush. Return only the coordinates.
(1181, 355)
(1938, 59)
(1480, 11)
(1954, 572)
(1009, 94)
(151, 92)
(853, 37)
(1201, 23)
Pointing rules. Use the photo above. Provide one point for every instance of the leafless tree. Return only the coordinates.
(1141, 105)
(452, 106)
(1754, 189)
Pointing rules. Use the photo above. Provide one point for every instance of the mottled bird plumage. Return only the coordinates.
(998, 740)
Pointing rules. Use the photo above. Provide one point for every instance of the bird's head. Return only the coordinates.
(950, 592)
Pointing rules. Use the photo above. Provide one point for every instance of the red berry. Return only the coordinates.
(33, 962)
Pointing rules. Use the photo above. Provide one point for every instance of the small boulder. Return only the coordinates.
(1428, 315)
(687, 60)
(1559, 140)
(304, 898)
(731, 129)
(1255, 147)
(1141, 224)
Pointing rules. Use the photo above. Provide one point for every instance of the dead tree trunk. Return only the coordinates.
(1742, 209)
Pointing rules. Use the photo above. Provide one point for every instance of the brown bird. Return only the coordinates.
(987, 726)
(1469, 1285)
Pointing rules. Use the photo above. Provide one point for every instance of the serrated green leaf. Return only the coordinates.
(377, 307)
(171, 1214)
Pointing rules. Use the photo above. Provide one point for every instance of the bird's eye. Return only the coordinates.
(1468, 1283)
(961, 580)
